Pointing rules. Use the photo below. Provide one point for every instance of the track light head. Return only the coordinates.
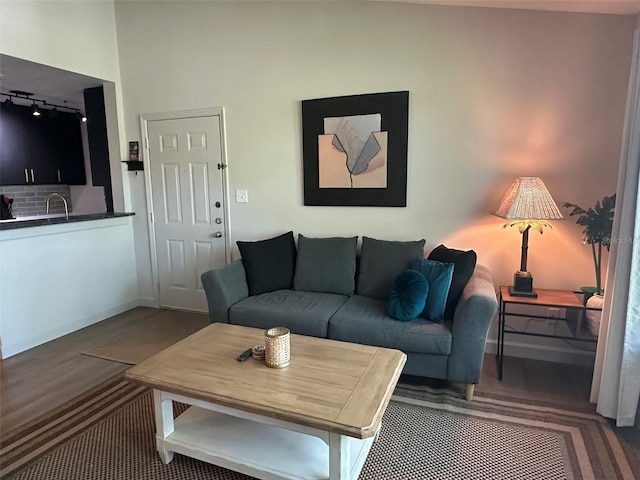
(50, 110)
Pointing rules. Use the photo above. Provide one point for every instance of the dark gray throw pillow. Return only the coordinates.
(326, 265)
(381, 262)
(464, 263)
(269, 264)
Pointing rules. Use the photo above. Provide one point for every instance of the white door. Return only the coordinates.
(187, 184)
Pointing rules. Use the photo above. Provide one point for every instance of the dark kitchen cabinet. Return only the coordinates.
(67, 142)
(40, 158)
(24, 157)
(98, 141)
(40, 151)
(13, 167)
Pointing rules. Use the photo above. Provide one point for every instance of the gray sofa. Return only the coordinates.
(452, 349)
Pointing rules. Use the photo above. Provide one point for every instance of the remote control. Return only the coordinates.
(244, 355)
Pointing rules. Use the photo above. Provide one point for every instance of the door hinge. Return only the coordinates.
(151, 217)
(221, 166)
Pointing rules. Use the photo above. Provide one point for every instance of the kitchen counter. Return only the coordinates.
(40, 220)
(63, 275)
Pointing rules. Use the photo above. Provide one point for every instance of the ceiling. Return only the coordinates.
(46, 83)
(57, 86)
(611, 7)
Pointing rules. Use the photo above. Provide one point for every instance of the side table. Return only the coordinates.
(546, 298)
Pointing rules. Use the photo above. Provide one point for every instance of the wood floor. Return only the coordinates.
(47, 376)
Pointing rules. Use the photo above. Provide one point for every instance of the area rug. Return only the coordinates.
(427, 433)
(149, 337)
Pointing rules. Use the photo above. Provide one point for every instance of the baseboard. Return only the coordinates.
(10, 349)
(148, 302)
(543, 352)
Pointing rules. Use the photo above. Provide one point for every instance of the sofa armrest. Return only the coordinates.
(471, 321)
(224, 287)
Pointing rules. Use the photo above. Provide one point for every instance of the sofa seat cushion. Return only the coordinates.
(305, 313)
(365, 320)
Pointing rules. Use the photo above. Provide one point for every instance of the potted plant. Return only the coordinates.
(598, 224)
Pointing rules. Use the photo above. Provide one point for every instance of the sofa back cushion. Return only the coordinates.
(464, 262)
(381, 262)
(269, 264)
(326, 265)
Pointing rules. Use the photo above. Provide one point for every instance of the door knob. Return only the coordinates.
(218, 234)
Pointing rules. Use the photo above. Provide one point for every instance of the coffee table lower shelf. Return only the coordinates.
(258, 446)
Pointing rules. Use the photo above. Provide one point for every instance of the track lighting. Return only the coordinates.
(51, 109)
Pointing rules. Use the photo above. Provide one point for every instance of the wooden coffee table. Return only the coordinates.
(315, 419)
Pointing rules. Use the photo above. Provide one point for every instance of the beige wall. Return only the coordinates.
(77, 36)
(494, 94)
(73, 35)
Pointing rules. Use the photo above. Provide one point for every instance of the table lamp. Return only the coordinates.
(527, 203)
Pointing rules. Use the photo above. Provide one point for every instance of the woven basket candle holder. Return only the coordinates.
(276, 347)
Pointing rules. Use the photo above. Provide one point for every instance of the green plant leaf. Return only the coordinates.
(598, 225)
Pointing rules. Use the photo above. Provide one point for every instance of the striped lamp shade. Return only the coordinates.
(527, 199)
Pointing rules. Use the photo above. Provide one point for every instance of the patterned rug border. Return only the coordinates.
(511, 403)
(28, 443)
(584, 416)
(599, 453)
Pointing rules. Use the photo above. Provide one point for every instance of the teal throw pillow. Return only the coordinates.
(439, 276)
(408, 295)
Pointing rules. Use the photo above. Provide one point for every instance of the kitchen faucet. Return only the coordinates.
(64, 200)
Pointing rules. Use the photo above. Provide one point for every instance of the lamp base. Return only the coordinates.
(522, 285)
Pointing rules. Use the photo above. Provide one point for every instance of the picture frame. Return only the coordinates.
(355, 150)
(134, 150)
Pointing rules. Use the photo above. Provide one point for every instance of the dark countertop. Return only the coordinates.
(57, 219)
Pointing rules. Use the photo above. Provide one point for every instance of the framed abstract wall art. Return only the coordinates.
(355, 150)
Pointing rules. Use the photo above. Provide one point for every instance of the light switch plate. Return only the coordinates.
(242, 196)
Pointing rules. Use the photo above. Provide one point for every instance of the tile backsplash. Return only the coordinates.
(29, 200)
